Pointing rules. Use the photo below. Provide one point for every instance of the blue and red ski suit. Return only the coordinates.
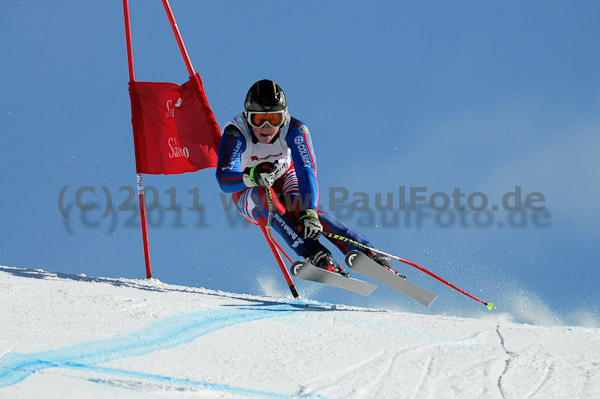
(296, 181)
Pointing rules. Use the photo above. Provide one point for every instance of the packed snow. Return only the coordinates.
(73, 336)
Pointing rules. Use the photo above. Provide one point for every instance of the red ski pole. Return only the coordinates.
(489, 305)
(275, 247)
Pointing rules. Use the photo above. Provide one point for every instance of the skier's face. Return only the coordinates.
(265, 134)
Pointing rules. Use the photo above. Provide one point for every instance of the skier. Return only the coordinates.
(265, 147)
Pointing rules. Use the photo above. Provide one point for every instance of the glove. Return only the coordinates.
(309, 225)
(262, 174)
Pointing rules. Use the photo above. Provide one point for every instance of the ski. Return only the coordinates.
(361, 263)
(307, 271)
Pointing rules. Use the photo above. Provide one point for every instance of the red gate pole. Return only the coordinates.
(184, 54)
(128, 40)
(142, 200)
(140, 183)
(177, 34)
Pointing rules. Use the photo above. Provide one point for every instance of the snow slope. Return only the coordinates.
(71, 336)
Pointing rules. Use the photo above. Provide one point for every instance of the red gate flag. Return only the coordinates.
(174, 129)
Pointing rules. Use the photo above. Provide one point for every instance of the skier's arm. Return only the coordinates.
(229, 173)
(305, 163)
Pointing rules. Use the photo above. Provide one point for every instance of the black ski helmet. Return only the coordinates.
(266, 96)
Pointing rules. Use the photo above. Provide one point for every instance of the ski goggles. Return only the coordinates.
(260, 119)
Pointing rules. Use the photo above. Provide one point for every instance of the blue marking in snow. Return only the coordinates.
(168, 333)
(190, 383)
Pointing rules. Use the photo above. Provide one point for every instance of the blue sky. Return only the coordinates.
(480, 96)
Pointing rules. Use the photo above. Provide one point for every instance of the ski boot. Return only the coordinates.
(384, 261)
(321, 258)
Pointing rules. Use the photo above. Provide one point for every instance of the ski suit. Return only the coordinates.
(296, 181)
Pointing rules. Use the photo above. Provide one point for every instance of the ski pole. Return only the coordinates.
(286, 274)
(489, 305)
(281, 250)
(276, 248)
(271, 207)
